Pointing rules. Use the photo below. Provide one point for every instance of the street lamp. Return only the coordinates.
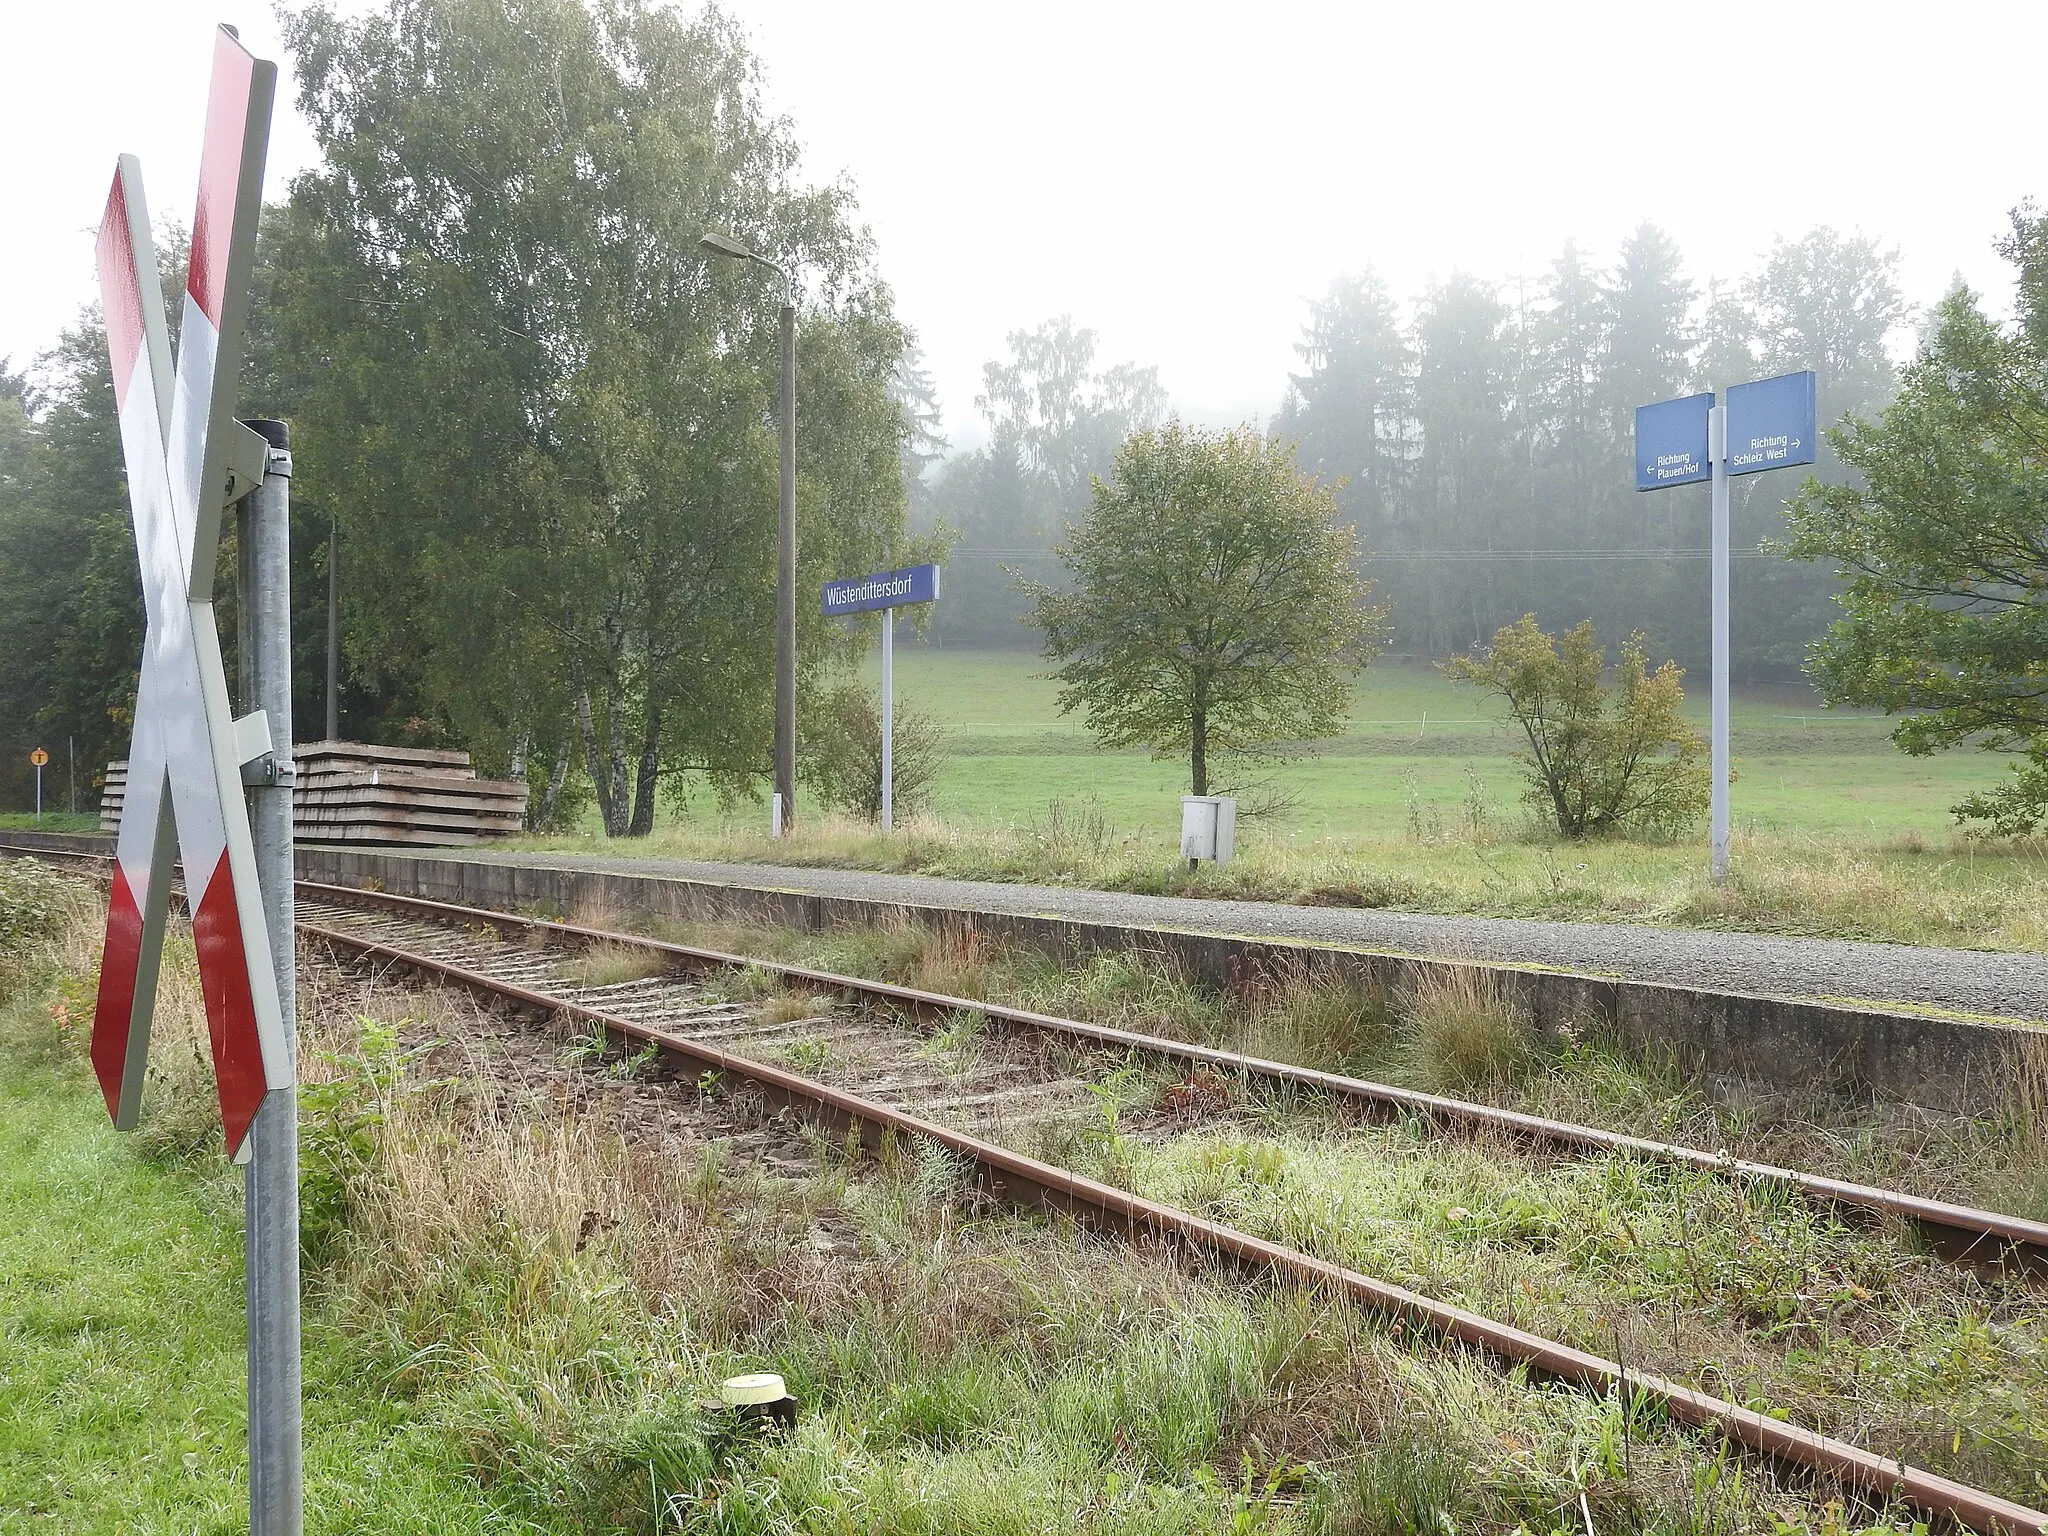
(785, 564)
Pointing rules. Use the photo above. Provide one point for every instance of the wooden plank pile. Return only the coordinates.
(351, 792)
(110, 796)
(356, 792)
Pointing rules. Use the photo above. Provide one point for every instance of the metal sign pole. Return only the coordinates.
(1764, 424)
(888, 721)
(885, 591)
(276, 1436)
(785, 574)
(1717, 455)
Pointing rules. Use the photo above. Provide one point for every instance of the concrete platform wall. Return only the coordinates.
(1945, 1064)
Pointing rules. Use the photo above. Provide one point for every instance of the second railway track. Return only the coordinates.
(1961, 1233)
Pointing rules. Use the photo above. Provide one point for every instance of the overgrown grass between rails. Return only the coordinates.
(1750, 1294)
(611, 965)
(564, 1288)
(1462, 1034)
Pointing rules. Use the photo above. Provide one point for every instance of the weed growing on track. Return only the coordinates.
(810, 1056)
(790, 1007)
(611, 965)
(1464, 1029)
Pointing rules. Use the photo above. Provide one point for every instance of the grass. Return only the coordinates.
(49, 821)
(121, 1343)
(612, 965)
(956, 1373)
(1749, 1293)
(527, 1274)
(1418, 808)
(1465, 1030)
(1764, 1301)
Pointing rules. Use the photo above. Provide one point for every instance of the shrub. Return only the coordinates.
(33, 903)
(1599, 760)
(842, 754)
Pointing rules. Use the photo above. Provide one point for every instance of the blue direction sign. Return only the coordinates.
(1671, 443)
(883, 589)
(1771, 424)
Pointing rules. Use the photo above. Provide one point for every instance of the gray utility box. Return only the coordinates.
(1208, 828)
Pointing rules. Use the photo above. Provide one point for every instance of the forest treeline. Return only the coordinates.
(1480, 436)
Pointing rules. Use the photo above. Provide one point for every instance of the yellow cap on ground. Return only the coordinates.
(739, 1391)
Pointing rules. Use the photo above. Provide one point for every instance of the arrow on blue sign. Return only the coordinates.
(1771, 423)
(1671, 443)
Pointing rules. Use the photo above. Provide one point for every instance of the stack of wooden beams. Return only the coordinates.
(355, 792)
(110, 796)
(352, 792)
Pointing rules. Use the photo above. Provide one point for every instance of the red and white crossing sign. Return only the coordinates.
(188, 458)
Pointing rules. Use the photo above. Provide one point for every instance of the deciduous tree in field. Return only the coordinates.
(1637, 767)
(1217, 605)
(1944, 540)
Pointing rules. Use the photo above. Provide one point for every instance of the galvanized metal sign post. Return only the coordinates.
(1765, 424)
(886, 590)
(188, 460)
(38, 758)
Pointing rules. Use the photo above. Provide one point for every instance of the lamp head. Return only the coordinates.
(725, 245)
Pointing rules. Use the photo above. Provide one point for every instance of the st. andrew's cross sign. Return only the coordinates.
(187, 459)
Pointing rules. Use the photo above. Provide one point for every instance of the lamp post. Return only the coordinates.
(785, 562)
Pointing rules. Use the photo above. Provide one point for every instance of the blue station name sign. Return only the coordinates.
(1671, 442)
(1771, 423)
(882, 589)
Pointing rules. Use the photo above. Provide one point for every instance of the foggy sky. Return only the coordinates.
(1184, 177)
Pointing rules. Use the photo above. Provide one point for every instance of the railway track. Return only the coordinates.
(1959, 1233)
(1038, 1078)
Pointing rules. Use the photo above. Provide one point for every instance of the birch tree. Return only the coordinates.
(542, 417)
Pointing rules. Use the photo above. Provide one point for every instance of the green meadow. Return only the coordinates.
(1419, 751)
(1418, 806)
